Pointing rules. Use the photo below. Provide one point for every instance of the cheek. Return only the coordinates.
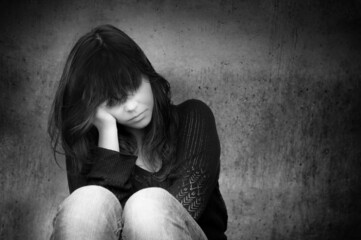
(150, 98)
(118, 114)
(147, 100)
(149, 94)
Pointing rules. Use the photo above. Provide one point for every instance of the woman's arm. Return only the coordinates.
(108, 168)
(107, 129)
(199, 155)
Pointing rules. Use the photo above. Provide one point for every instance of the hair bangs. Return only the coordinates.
(110, 77)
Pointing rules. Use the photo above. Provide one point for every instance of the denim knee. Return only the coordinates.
(90, 210)
(147, 202)
(146, 215)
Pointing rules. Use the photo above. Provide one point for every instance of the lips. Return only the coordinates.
(136, 117)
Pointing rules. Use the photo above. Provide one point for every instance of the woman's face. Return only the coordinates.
(136, 111)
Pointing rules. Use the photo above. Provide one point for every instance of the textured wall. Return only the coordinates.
(282, 77)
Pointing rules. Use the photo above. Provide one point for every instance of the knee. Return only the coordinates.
(148, 199)
(89, 202)
(146, 205)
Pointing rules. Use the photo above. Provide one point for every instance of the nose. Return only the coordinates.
(130, 105)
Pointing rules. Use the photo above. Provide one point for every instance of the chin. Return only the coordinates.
(141, 124)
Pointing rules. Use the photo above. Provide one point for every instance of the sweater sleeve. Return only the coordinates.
(110, 169)
(198, 154)
(75, 180)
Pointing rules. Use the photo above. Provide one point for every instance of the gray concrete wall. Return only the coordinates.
(282, 78)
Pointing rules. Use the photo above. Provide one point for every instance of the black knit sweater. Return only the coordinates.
(196, 188)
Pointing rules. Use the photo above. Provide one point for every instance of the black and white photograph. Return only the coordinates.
(180, 120)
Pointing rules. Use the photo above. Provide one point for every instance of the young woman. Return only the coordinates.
(138, 166)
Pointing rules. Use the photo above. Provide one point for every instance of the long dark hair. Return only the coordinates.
(107, 65)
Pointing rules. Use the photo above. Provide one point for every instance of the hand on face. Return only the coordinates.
(135, 112)
(103, 119)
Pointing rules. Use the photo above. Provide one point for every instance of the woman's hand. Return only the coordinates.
(103, 119)
(107, 128)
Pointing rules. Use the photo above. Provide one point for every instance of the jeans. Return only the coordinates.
(93, 212)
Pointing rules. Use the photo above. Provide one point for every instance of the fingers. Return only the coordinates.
(103, 117)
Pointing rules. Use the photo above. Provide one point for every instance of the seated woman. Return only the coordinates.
(138, 166)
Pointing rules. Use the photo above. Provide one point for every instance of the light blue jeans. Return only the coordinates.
(93, 212)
